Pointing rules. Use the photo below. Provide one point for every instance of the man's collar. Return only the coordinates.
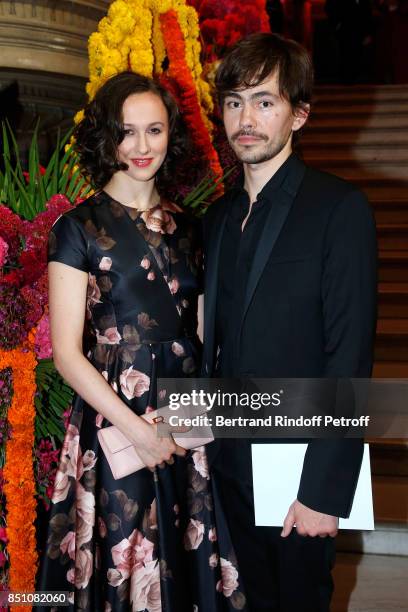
(289, 167)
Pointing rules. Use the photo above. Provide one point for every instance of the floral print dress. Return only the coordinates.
(152, 541)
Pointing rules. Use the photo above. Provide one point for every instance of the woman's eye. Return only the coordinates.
(155, 130)
(128, 132)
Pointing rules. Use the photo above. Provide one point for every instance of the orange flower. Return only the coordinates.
(189, 103)
(19, 487)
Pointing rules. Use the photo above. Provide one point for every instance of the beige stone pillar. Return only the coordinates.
(48, 35)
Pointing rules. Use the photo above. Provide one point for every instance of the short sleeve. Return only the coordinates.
(67, 244)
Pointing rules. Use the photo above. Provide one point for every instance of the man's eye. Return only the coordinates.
(233, 104)
(265, 104)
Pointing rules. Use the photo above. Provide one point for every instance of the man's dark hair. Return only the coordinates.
(253, 59)
(101, 130)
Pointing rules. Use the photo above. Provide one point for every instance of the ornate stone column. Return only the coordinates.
(49, 35)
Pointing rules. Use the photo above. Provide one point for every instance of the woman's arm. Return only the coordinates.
(67, 303)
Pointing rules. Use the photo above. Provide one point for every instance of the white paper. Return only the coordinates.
(277, 469)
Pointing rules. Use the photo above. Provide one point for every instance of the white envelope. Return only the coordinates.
(277, 469)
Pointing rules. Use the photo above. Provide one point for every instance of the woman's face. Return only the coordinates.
(146, 125)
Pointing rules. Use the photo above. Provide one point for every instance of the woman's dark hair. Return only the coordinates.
(254, 58)
(101, 130)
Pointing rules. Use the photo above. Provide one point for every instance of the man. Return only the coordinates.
(290, 292)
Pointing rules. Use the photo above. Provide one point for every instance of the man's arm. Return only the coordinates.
(349, 284)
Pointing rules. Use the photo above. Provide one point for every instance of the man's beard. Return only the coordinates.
(268, 151)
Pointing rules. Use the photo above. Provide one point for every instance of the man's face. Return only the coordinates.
(259, 122)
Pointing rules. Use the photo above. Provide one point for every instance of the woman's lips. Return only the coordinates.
(142, 162)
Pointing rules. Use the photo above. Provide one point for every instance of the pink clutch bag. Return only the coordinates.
(122, 455)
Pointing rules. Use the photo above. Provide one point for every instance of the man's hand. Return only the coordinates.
(308, 522)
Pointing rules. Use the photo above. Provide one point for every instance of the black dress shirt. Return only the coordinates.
(236, 255)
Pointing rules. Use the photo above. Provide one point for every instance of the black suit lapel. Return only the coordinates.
(276, 218)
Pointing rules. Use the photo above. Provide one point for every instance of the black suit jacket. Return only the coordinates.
(310, 308)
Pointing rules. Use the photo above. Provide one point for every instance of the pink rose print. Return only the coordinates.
(93, 291)
(67, 545)
(151, 276)
(86, 514)
(145, 263)
(194, 535)
(133, 383)
(129, 555)
(212, 534)
(70, 464)
(111, 336)
(177, 349)
(213, 560)
(158, 220)
(200, 463)
(71, 576)
(99, 420)
(145, 588)
(83, 568)
(229, 578)
(173, 285)
(61, 487)
(105, 264)
(149, 409)
(88, 460)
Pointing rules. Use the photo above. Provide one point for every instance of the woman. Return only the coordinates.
(127, 260)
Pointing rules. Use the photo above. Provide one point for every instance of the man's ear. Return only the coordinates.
(300, 116)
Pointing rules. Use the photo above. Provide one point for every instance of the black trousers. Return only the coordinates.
(290, 574)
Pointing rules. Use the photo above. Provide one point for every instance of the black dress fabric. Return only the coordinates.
(148, 542)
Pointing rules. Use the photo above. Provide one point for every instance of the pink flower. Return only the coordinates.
(61, 487)
(105, 264)
(85, 505)
(93, 291)
(111, 336)
(133, 383)
(151, 276)
(193, 535)
(200, 463)
(102, 527)
(4, 247)
(3, 535)
(88, 460)
(158, 220)
(229, 578)
(174, 285)
(145, 588)
(99, 420)
(67, 545)
(3, 558)
(149, 409)
(213, 560)
(83, 568)
(177, 349)
(43, 348)
(212, 534)
(71, 456)
(130, 554)
(71, 576)
(145, 263)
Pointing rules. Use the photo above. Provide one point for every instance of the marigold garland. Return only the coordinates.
(19, 487)
(178, 70)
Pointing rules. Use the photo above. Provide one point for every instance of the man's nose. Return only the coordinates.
(247, 118)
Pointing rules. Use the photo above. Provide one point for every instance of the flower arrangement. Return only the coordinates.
(140, 35)
(223, 22)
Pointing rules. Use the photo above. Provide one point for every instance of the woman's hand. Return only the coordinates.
(152, 448)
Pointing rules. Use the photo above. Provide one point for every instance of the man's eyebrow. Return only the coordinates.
(263, 94)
